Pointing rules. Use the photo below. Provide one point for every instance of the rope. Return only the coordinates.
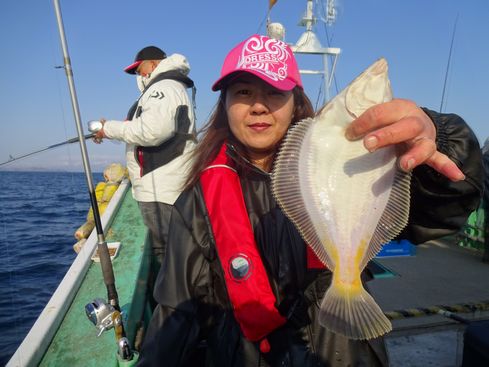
(433, 310)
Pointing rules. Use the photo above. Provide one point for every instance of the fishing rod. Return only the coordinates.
(69, 141)
(111, 317)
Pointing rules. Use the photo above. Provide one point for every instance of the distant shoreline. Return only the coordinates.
(50, 170)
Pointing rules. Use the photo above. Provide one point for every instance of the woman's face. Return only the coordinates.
(259, 116)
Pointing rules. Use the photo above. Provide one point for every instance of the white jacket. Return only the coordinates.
(155, 125)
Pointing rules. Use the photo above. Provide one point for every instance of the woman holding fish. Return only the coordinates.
(252, 253)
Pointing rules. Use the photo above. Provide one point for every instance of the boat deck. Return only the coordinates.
(440, 274)
(77, 333)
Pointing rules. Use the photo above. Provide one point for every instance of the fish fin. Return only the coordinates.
(394, 218)
(354, 314)
(286, 188)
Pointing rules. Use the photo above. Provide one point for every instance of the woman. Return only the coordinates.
(239, 287)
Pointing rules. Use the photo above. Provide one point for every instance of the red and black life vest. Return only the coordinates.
(247, 283)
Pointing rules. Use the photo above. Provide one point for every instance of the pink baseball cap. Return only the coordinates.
(269, 59)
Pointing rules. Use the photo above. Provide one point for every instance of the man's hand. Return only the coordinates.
(100, 135)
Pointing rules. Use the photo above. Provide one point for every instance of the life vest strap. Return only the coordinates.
(247, 282)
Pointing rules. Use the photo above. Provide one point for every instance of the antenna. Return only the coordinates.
(448, 64)
(330, 12)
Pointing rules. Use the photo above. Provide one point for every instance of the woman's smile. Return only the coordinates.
(259, 115)
(259, 126)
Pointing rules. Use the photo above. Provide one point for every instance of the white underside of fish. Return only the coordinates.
(345, 201)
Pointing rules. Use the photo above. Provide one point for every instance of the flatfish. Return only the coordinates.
(345, 201)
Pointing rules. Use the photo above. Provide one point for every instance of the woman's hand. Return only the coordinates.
(400, 122)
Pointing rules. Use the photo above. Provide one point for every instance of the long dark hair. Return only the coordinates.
(216, 131)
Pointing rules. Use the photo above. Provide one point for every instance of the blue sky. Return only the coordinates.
(103, 37)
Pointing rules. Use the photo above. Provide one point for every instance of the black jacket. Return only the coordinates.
(194, 323)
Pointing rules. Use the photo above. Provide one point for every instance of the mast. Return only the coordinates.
(115, 319)
(309, 44)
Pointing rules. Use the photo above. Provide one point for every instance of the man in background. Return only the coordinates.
(159, 133)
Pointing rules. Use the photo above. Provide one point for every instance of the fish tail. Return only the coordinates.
(353, 313)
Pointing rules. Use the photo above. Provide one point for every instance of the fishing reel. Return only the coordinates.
(94, 126)
(101, 314)
(105, 317)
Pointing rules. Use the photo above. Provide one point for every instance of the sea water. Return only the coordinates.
(39, 213)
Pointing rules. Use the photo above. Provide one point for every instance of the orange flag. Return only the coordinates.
(271, 3)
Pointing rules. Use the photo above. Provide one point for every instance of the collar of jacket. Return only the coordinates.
(243, 163)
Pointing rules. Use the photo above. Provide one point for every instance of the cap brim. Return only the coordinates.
(284, 85)
(131, 69)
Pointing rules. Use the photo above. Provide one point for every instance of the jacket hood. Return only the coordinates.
(174, 62)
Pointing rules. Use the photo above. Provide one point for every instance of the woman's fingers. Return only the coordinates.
(418, 152)
(401, 123)
(404, 130)
(444, 165)
(379, 116)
